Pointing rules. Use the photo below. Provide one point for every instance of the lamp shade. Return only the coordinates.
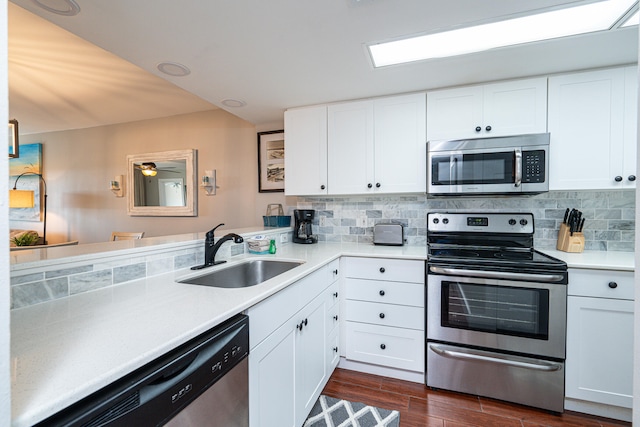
(21, 199)
(149, 172)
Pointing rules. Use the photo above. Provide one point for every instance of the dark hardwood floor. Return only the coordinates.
(420, 406)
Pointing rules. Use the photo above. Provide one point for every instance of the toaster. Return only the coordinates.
(388, 234)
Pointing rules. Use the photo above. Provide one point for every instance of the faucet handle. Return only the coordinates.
(210, 232)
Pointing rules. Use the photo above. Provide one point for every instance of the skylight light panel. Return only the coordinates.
(543, 26)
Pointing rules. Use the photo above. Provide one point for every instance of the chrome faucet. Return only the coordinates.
(211, 248)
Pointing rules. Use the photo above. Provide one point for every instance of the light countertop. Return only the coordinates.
(64, 350)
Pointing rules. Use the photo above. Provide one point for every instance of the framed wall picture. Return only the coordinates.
(14, 152)
(271, 161)
(29, 161)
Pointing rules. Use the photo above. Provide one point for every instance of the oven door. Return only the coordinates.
(525, 317)
(484, 170)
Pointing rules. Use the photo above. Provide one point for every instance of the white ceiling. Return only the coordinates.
(271, 54)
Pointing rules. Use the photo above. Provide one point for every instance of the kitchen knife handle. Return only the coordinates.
(566, 216)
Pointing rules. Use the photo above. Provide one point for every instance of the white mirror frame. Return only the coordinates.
(191, 208)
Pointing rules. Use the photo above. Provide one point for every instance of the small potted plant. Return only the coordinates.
(27, 239)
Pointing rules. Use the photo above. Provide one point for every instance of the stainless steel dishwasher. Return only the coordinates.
(201, 383)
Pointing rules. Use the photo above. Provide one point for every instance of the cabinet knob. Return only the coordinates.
(377, 185)
(369, 185)
(488, 128)
(322, 187)
(382, 270)
(613, 285)
(632, 178)
(382, 346)
(618, 178)
(478, 128)
(382, 315)
(381, 293)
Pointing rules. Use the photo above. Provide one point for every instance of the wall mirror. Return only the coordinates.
(162, 184)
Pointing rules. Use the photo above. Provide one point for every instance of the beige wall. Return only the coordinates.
(78, 165)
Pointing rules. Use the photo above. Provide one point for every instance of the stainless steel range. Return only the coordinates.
(496, 309)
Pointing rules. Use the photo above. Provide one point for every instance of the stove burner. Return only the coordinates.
(520, 256)
(458, 253)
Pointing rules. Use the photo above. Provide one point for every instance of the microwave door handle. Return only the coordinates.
(453, 169)
(518, 155)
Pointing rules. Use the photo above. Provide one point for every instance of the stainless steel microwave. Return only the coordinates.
(501, 165)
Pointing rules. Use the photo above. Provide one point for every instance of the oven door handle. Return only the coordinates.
(547, 278)
(471, 355)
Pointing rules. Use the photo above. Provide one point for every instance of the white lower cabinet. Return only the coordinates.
(384, 313)
(599, 364)
(290, 361)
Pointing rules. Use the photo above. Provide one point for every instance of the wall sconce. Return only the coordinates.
(117, 186)
(25, 199)
(209, 182)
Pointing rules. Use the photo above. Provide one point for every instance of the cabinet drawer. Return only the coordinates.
(385, 292)
(601, 283)
(393, 347)
(396, 270)
(400, 316)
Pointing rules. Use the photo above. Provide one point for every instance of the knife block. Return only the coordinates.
(569, 243)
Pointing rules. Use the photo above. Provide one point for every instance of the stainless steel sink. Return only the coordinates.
(243, 275)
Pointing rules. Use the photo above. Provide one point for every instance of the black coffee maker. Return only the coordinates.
(302, 233)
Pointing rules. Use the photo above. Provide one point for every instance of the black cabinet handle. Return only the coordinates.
(382, 346)
(478, 128)
(382, 270)
(381, 293)
(613, 285)
(335, 349)
(335, 317)
(488, 128)
(335, 271)
(369, 185)
(382, 315)
(305, 322)
(632, 178)
(377, 185)
(322, 187)
(618, 178)
(335, 295)
(300, 326)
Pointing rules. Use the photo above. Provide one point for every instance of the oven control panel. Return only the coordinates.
(494, 222)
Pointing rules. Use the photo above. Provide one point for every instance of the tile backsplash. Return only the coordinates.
(609, 224)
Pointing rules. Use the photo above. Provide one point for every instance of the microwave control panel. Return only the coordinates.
(533, 169)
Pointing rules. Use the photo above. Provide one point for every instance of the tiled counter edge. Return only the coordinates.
(56, 275)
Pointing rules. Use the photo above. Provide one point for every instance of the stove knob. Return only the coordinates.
(523, 222)
(436, 220)
(512, 221)
(445, 221)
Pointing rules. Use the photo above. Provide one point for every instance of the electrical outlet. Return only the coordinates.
(322, 221)
(284, 238)
(362, 221)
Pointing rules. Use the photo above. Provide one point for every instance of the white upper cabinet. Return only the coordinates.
(497, 109)
(305, 141)
(378, 145)
(592, 121)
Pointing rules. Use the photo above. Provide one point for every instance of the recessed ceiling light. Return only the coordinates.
(174, 69)
(59, 7)
(571, 21)
(235, 103)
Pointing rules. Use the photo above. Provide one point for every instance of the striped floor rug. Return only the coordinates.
(330, 412)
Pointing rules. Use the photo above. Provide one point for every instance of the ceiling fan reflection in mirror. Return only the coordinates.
(150, 168)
